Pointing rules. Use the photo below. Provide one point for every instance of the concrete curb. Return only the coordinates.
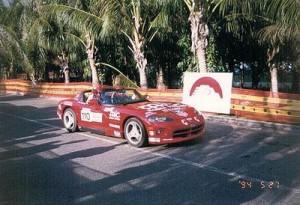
(252, 123)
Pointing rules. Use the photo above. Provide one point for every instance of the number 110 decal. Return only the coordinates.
(85, 116)
(89, 116)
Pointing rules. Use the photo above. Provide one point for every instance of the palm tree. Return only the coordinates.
(14, 29)
(274, 23)
(25, 33)
(144, 20)
(140, 21)
(87, 19)
(199, 30)
(56, 42)
(283, 29)
(101, 19)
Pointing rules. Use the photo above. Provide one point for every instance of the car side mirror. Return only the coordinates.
(93, 103)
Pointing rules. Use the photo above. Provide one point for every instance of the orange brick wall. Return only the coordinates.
(251, 104)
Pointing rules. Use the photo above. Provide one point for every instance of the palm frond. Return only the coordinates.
(77, 18)
(129, 83)
(286, 17)
(13, 43)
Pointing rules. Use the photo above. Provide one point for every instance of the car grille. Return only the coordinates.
(186, 132)
(181, 133)
(197, 129)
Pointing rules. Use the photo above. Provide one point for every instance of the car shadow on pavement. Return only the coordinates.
(31, 117)
(220, 129)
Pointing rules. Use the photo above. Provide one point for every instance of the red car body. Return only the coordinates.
(125, 113)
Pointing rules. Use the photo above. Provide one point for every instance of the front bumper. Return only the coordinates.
(175, 133)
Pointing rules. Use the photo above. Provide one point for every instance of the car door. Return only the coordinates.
(91, 116)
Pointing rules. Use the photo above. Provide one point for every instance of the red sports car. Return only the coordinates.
(125, 113)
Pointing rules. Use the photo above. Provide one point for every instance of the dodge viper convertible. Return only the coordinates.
(125, 113)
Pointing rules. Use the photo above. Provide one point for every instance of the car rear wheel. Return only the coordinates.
(70, 121)
(135, 132)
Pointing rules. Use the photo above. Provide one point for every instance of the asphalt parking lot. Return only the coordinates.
(41, 163)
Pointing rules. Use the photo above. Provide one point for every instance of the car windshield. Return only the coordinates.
(120, 96)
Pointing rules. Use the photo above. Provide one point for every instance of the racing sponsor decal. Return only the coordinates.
(177, 106)
(154, 139)
(113, 113)
(117, 134)
(147, 114)
(186, 121)
(108, 109)
(152, 107)
(96, 117)
(180, 113)
(114, 126)
(68, 103)
(197, 119)
(87, 115)
(151, 133)
(167, 139)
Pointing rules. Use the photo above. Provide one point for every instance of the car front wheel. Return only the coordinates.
(135, 132)
(70, 121)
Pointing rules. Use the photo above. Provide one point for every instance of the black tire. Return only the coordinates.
(135, 132)
(69, 120)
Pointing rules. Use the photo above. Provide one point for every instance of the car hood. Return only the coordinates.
(162, 108)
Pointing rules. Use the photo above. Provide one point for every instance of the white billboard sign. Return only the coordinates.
(209, 92)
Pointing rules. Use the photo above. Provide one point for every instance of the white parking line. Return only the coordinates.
(164, 156)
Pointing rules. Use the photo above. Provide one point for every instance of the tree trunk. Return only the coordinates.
(143, 78)
(90, 55)
(141, 63)
(95, 80)
(199, 34)
(138, 45)
(160, 79)
(64, 65)
(273, 70)
(10, 70)
(67, 76)
(32, 78)
(274, 84)
(137, 48)
(201, 60)
(274, 78)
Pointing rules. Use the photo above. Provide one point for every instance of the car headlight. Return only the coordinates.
(155, 118)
